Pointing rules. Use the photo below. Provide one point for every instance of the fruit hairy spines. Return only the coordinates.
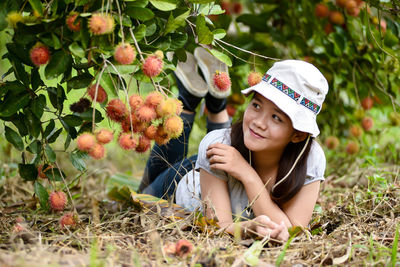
(85, 142)
(125, 54)
(101, 93)
(116, 110)
(152, 66)
(58, 200)
(104, 136)
(39, 54)
(221, 81)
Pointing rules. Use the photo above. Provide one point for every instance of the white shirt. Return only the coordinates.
(188, 192)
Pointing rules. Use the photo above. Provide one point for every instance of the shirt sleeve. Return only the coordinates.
(316, 164)
(216, 136)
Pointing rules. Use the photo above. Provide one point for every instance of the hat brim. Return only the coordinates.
(302, 119)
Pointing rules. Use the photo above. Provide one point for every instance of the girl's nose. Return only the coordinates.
(261, 121)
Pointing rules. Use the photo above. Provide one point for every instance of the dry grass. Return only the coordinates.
(354, 224)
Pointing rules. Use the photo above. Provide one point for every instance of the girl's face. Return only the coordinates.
(265, 126)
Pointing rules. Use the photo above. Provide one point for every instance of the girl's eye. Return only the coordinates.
(276, 117)
(255, 105)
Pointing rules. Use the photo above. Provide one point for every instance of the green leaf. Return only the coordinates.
(51, 156)
(201, 1)
(80, 81)
(28, 172)
(13, 104)
(19, 121)
(88, 115)
(108, 84)
(222, 57)
(14, 86)
(178, 40)
(121, 179)
(175, 23)
(37, 6)
(139, 13)
(204, 34)
(72, 120)
(59, 63)
(121, 69)
(42, 194)
(219, 33)
(49, 128)
(140, 32)
(19, 69)
(53, 136)
(137, 3)
(77, 160)
(14, 138)
(34, 147)
(76, 50)
(164, 5)
(54, 174)
(70, 130)
(37, 106)
(33, 123)
(36, 81)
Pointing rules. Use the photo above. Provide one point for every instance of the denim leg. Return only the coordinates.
(164, 156)
(165, 184)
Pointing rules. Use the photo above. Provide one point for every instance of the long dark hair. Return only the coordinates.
(293, 183)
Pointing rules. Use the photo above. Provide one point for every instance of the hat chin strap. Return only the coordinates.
(294, 164)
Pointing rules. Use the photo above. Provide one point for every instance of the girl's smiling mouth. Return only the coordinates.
(253, 133)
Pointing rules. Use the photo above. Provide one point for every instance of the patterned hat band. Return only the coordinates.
(291, 93)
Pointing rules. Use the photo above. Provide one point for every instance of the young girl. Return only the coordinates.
(266, 169)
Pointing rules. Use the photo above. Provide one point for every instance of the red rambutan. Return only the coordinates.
(58, 200)
(39, 54)
(72, 23)
(124, 53)
(161, 137)
(146, 113)
(135, 101)
(104, 136)
(116, 110)
(98, 151)
(222, 81)
(85, 142)
(153, 99)
(167, 107)
(101, 93)
(254, 78)
(68, 219)
(127, 141)
(173, 126)
(98, 24)
(150, 132)
(183, 248)
(152, 66)
(143, 145)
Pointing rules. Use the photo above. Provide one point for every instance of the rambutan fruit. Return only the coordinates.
(143, 145)
(116, 110)
(146, 113)
(336, 17)
(104, 136)
(13, 18)
(150, 132)
(135, 101)
(221, 81)
(173, 126)
(39, 54)
(72, 23)
(18, 227)
(152, 66)
(161, 137)
(179, 106)
(167, 107)
(183, 248)
(68, 219)
(58, 200)
(352, 148)
(321, 10)
(101, 93)
(254, 78)
(127, 141)
(159, 54)
(367, 103)
(80, 106)
(332, 142)
(85, 142)
(98, 151)
(356, 131)
(367, 123)
(153, 99)
(98, 24)
(125, 54)
(110, 23)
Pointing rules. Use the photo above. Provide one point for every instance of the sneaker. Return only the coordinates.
(188, 75)
(209, 65)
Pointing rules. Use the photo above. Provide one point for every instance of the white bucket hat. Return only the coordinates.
(298, 88)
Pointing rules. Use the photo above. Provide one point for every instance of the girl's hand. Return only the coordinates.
(227, 158)
(263, 226)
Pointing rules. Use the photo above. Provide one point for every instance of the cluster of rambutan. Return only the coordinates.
(152, 118)
(93, 144)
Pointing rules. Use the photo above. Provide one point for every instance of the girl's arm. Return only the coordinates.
(297, 211)
(215, 194)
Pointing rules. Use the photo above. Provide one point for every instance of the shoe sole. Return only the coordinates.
(187, 74)
(209, 65)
